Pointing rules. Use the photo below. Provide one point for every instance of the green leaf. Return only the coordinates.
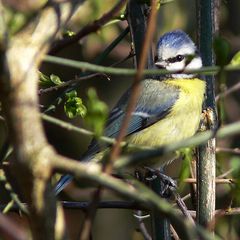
(55, 79)
(97, 112)
(236, 59)
(45, 81)
(186, 155)
(222, 49)
(74, 106)
(71, 94)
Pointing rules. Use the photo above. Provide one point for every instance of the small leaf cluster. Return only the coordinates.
(52, 80)
(74, 106)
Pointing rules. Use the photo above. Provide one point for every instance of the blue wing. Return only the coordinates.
(154, 103)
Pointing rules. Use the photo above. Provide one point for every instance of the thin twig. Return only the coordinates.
(8, 207)
(124, 205)
(182, 206)
(13, 195)
(226, 173)
(78, 79)
(229, 91)
(71, 82)
(107, 168)
(137, 192)
(217, 181)
(88, 221)
(174, 233)
(235, 151)
(221, 212)
(84, 205)
(90, 28)
(142, 226)
(212, 70)
(226, 131)
(87, 225)
(136, 85)
(229, 130)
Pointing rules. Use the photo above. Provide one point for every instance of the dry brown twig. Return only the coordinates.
(132, 102)
(217, 180)
(90, 28)
(229, 91)
(71, 82)
(136, 84)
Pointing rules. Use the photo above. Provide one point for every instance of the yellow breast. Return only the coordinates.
(183, 119)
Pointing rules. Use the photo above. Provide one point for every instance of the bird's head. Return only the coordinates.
(176, 52)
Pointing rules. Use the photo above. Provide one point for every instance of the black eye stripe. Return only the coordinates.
(178, 58)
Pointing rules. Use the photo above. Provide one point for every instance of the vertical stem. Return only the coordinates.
(138, 22)
(207, 28)
(137, 19)
(160, 224)
(135, 90)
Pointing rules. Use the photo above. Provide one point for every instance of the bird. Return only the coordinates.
(168, 108)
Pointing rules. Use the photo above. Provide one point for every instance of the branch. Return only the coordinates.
(70, 82)
(229, 91)
(135, 91)
(137, 192)
(18, 92)
(223, 132)
(217, 180)
(13, 195)
(142, 226)
(139, 157)
(212, 70)
(207, 12)
(90, 28)
(127, 205)
(235, 151)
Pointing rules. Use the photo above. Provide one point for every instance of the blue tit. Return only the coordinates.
(168, 109)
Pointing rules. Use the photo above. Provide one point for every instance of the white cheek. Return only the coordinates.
(196, 63)
(177, 66)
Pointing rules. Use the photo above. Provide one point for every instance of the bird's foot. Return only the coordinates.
(167, 184)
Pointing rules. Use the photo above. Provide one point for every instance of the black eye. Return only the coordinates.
(179, 58)
(155, 58)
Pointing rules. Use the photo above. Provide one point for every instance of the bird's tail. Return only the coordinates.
(86, 158)
(62, 183)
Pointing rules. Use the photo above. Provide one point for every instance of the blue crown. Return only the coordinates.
(175, 39)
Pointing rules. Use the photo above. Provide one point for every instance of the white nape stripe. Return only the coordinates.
(195, 64)
(141, 114)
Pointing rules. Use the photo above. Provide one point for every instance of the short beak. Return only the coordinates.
(160, 65)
